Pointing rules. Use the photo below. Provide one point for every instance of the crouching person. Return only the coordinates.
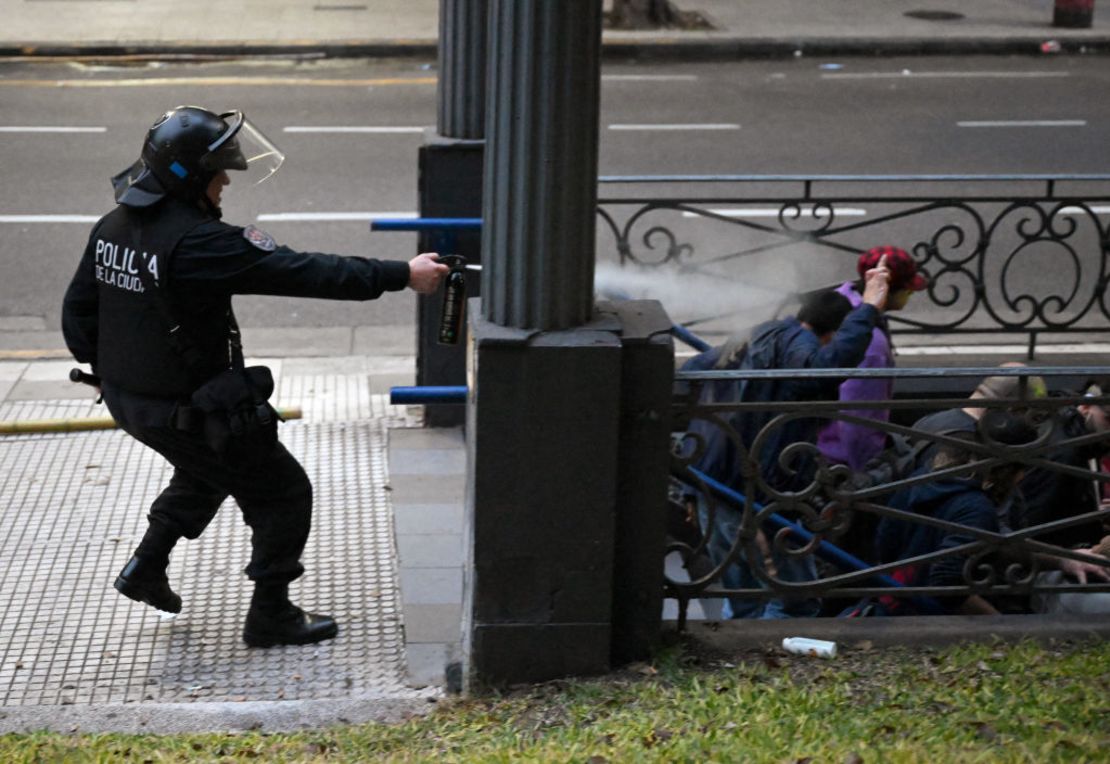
(978, 500)
(826, 333)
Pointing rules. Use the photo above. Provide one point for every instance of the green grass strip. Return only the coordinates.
(975, 703)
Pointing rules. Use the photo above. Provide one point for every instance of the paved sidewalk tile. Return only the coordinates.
(430, 550)
(427, 662)
(293, 342)
(385, 340)
(413, 24)
(433, 623)
(74, 640)
(420, 490)
(412, 518)
(431, 462)
(73, 644)
(51, 341)
(432, 586)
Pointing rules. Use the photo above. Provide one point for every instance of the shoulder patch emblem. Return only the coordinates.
(259, 238)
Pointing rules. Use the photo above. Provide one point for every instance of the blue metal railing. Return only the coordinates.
(427, 394)
(824, 549)
(445, 231)
(426, 224)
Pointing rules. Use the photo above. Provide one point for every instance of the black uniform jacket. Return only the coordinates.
(110, 320)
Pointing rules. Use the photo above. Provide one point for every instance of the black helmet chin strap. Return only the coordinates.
(207, 204)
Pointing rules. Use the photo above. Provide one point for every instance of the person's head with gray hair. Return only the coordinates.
(997, 427)
(1007, 388)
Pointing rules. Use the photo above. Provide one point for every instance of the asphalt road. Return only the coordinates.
(66, 128)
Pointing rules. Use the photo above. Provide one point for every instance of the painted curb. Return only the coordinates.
(643, 48)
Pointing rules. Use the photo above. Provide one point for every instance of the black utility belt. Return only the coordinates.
(187, 417)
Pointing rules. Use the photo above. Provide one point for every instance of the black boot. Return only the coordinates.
(274, 620)
(144, 580)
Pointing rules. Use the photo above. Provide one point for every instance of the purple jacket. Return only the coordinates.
(851, 444)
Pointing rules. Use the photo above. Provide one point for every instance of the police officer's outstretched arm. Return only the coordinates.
(426, 273)
(248, 261)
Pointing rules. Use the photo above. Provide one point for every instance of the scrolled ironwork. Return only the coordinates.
(986, 570)
(808, 521)
(973, 246)
(979, 572)
(822, 213)
(672, 252)
(1045, 228)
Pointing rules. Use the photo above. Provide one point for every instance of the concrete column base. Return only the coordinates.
(542, 439)
(568, 439)
(647, 381)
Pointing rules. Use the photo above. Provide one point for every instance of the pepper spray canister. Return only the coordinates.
(454, 300)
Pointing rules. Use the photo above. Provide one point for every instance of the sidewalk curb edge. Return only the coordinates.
(648, 48)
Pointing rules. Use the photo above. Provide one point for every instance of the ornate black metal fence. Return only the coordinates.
(819, 534)
(1015, 254)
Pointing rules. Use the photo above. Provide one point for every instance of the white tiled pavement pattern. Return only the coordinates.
(74, 506)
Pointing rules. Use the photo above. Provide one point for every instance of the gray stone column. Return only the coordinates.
(541, 164)
(450, 184)
(544, 417)
(462, 68)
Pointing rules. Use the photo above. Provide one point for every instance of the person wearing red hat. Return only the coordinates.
(826, 333)
(855, 445)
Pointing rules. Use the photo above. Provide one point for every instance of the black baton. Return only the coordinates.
(76, 375)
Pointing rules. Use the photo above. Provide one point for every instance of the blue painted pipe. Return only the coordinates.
(691, 339)
(426, 224)
(678, 330)
(428, 394)
(826, 550)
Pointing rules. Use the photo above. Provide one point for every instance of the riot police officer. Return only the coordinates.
(150, 309)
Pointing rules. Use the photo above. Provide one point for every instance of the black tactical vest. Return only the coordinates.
(134, 347)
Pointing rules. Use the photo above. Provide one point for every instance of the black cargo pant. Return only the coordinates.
(274, 495)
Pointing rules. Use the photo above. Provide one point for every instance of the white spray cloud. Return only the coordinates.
(717, 305)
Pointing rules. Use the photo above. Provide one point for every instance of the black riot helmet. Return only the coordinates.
(186, 148)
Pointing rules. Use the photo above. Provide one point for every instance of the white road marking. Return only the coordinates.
(1098, 210)
(706, 126)
(355, 129)
(303, 217)
(1024, 123)
(1017, 351)
(906, 73)
(49, 218)
(1014, 351)
(50, 129)
(294, 217)
(179, 82)
(772, 212)
(649, 78)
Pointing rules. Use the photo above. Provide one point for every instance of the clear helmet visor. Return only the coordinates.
(244, 148)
